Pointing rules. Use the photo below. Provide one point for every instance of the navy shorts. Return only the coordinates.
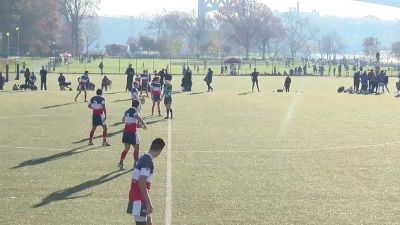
(98, 120)
(168, 100)
(156, 98)
(130, 138)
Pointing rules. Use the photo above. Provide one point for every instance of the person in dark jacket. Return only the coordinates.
(356, 78)
(1, 81)
(208, 79)
(288, 82)
(62, 82)
(364, 81)
(386, 81)
(254, 79)
(26, 75)
(43, 79)
(130, 72)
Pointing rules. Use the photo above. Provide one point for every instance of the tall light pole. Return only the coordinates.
(8, 44)
(17, 29)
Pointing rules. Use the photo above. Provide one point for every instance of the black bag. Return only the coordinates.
(340, 89)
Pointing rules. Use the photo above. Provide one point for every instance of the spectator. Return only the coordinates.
(1, 81)
(168, 76)
(130, 72)
(43, 79)
(288, 82)
(105, 83)
(32, 81)
(101, 66)
(62, 82)
(27, 73)
(254, 79)
(381, 82)
(356, 78)
(386, 81)
(364, 82)
(208, 79)
(161, 74)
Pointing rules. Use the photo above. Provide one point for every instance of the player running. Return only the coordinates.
(83, 82)
(140, 206)
(155, 89)
(98, 105)
(144, 81)
(167, 95)
(132, 121)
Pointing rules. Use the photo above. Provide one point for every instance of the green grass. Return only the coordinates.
(306, 157)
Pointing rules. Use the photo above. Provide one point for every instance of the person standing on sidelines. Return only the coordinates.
(83, 84)
(155, 90)
(132, 120)
(130, 72)
(167, 95)
(288, 82)
(140, 205)
(254, 79)
(98, 105)
(43, 79)
(208, 79)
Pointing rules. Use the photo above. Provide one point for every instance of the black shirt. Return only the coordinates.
(43, 74)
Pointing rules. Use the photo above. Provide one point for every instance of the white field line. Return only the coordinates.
(168, 183)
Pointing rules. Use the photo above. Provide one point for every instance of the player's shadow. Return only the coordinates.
(117, 124)
(177, 92)
(198, 93)
(397, 96)
(58, 156)
(114, 93)
(112, 134)
(68, 193)
(245, 93)
(55, 106)
(123, 100)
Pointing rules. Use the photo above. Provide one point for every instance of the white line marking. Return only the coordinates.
(168, 183)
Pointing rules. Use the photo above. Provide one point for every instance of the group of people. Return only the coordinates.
(371, 82)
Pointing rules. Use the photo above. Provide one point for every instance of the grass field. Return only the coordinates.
(311, 156)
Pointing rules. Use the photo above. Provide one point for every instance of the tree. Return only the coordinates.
(75, 11)
(272, 28)
(245, 17)
(396, 50)
(10, 12)
(91, 31)
(299, 31)
(132, 44)
(147, 44)
(371, 46)
(330, 44)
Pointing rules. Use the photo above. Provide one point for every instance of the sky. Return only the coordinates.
(346, 8)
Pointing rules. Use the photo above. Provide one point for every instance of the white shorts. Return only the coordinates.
(139, 211)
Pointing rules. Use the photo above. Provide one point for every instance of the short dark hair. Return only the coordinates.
(157, 145)
(135, 103)
(99, 92)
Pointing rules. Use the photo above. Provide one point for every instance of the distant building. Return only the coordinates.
(117, 50)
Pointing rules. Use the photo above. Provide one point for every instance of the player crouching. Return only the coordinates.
(98, 105)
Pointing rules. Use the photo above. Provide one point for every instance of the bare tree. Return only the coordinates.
(271, 30)
(245, 17)
(299, 31)
(91, 31)
(396, 50)
(330, 44)
(371, 46)
(75, 11)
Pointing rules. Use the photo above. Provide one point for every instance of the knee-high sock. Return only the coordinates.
(104, 135)
(91, 135)
(170, 112)
(123, 155)
(136, 155)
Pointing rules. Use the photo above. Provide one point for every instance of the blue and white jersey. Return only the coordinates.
(97, 103)
(134, 93)
(144, 167)
(130, 120)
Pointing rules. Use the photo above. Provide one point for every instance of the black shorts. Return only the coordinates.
(130, 138)
(98, 120)
(168, 100)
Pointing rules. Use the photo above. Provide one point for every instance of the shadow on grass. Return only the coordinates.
(198, 93)
(58, 156)
(67, 194)
(55, 106)
(117, 124)
(123, 100)
(114, 93)
(155, 121)
(177, 92)
(246, 93)
(98, 136)
(397, 96)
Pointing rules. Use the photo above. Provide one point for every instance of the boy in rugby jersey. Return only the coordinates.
(98, 105)
(155, 89)
(132, 121)
(140, 206)
(83, 82)
(167, 95)
(144, 80)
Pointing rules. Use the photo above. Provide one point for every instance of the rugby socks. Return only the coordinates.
(123, 155)
(135, 155)
(171, 112)
(167, 113)
(104, 136)
(91, 135)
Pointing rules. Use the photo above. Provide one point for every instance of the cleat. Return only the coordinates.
(105, 144)
(121, 165)
(165, 118)
(90, 143)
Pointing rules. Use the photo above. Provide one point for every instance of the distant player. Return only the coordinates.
(83, 84)
(130, 136)
(155, 89)
(98, 105)
(254, 79)
(140, 206)
(135, 95)
(167, 95)
(144, 83)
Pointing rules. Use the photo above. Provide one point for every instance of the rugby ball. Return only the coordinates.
(142, 100)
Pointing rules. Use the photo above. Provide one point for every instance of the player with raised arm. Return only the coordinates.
(98, 105)
(83, 82)
(140, 206)
(132, 121)
(155, 90)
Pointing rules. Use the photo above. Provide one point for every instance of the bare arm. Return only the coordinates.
(141, 121)
(105, 112)
(145, 194)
